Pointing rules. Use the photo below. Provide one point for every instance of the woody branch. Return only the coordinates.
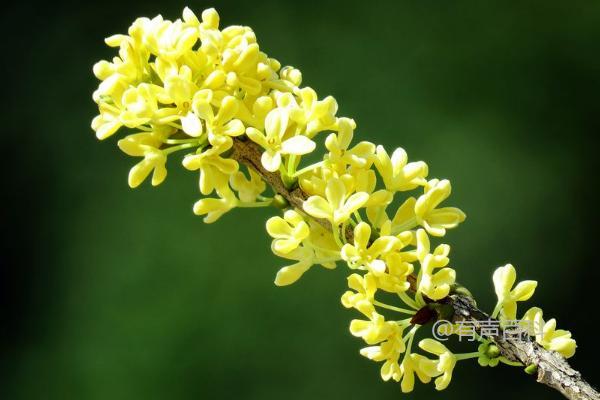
(553, 370)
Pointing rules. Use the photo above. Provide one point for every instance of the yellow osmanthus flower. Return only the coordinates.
(146, 144)
(374, 330)
(411, 366)
(248, 189)
(211, 92)
(288, 232)
(214, 169)
(291, 273)
(437, 220)
(273, 140)
(139, 105)
(221, 124)
(339, 157)
(388, 351)
(397, 173)
(434, 285)
(311, 115)
(504, 280)
(547, 335)
(365, 180)
(338, 205)
(361, 255)
(363, 289)
(442, 367)
(214, 208)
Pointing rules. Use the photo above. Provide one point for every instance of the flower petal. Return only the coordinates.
(318, 207)
(298, 145)
(276, 123)
(290, 274)
(271, 160)
(191, 124)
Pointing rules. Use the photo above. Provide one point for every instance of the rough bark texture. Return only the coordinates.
(552, 369)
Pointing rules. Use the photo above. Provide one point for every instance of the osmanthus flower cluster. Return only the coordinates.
(189, 86)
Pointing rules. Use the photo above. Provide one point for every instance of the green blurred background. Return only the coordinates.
(113, 293)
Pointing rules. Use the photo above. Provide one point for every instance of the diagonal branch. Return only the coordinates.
(553, 370)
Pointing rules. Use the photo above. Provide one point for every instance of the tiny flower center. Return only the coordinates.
(274, 143)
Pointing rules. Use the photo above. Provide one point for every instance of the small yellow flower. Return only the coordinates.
(363, 289)
(504, 278)
(437, 220)
(139, 105)
(388, 351)
(154, 160)
(442, 367)
(366, 181)
(169, 40)
(313, 114)
(338, 205)
(178, 83)
(395, 279)
(397, 174)
(327, 252)
(273, 140)
(291, 273)
(215, 208)
(374, 330)
(360, 156)
(411, 366)
(315, 181)
(107, 122)
(146, 144)
(547, 335)
(435, 285)
(129, 66)
(288, 232)
(214, 169)
(111, 90)
(404, 219)
(361, 255)
(248, 189)
(221, 124)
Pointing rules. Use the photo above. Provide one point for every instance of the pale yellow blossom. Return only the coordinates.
(214, 169)
(338, 204)
(504, 280)
(437, 220)
(363, 255)
(547, 335)
(441, 368)
(288, 232)
(248, 189)
(273, 140)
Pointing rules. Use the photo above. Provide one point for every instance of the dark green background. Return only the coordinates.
(113, 293)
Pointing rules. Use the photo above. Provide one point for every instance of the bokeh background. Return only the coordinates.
(113, 293)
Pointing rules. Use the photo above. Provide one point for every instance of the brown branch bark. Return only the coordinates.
(553, 370)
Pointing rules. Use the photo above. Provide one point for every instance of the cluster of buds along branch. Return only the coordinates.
(188, 86)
